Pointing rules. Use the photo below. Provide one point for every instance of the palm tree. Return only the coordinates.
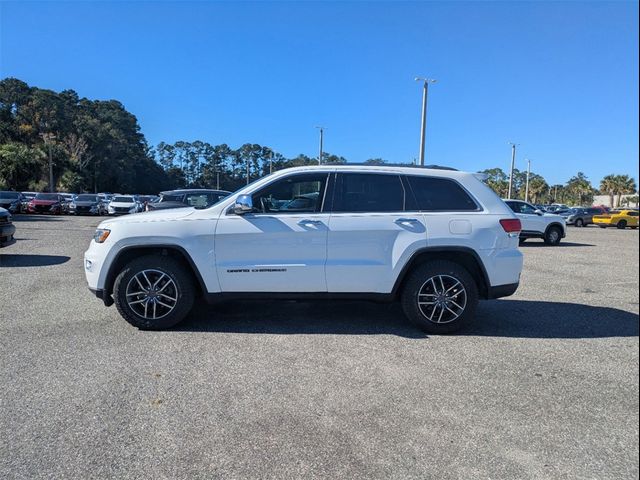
(623, 184)
(608, 187)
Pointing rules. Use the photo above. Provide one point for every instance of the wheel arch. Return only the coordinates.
(463, 256)
(126, 254)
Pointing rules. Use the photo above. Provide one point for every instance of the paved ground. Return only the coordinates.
(544, 386)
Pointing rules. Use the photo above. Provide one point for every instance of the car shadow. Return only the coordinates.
(541, 243)
(23, 217)
(8, 261)
(496, 318)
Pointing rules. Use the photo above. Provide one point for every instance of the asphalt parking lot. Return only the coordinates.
(545, 385)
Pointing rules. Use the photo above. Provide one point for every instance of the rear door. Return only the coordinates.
(370, 233)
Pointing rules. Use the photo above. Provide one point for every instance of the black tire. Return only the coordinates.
(553, 236)
(579, 223)
(417, 282)
(622, 224)
(183, 289)
(602, 226)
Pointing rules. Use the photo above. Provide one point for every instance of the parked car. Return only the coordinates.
(26, 198)
(538, 224)
(7, 229)
(124, 204)
(621, 218)
(87, 204)
(146, 199)
(46, 203)
(11, 201)
(68, 200)
(437, 240)
(581, 216)
(198, 198)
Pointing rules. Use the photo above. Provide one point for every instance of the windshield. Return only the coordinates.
(122, 199)
(87, 198)
(47, 196)
(11, 195)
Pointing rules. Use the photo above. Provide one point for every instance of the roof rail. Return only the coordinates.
(411, 165)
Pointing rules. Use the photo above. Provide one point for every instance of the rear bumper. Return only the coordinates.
(501, 291)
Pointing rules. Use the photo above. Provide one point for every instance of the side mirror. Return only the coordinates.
(539, 212)
(243, 205)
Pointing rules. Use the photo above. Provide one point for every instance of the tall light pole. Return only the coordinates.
(513, 166)
(48, 137)
(321, 141)
(526, 190)
(423, 123)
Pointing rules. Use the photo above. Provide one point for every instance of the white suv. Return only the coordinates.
(538, 224)
(437, 240)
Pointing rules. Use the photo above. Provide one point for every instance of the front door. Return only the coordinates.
(282, 245)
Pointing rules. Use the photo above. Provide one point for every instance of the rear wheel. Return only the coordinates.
(622, 224)
(579, 223)
(440, 297)
(553, 236)
(153, 292)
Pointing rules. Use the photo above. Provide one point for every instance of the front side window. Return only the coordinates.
(440, 194)
(295, 194)
(527, 209)
(364, 192)
(515, 206)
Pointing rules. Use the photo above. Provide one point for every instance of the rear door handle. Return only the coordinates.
(305, 222)
(406, 220)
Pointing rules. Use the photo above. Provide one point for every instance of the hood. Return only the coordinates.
(43, 202)
(86, 203)
(158, 216)
(122, 204)
(3, 212)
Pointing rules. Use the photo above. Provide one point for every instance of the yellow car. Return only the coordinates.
(617, 218)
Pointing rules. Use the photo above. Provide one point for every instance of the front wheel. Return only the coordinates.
(579, 223)
(553, 236)
(153, 292)
(440, 297)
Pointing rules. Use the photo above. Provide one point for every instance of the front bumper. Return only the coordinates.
(7, 231)
(100, 293)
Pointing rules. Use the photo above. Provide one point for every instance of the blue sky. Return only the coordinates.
(560, 79)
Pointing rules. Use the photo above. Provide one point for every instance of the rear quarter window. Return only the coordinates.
(440, 195)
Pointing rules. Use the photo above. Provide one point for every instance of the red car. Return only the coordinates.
(46, 203)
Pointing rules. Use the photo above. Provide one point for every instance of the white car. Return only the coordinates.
(538, 224)
(437, 240)
(124, 204)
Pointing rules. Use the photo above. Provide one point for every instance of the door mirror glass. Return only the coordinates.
(243, 205)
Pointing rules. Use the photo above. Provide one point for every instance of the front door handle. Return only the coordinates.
(406, 220)
(307, 222)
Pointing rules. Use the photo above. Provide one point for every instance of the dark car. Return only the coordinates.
(7, 228)
(11, 201)
(47, 203)
(88, 204)
(581, 216)
(197, 198)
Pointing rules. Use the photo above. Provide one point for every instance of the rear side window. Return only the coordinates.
(441, 195)
(364, 192)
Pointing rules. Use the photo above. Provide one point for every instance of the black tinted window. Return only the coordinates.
(441, 194)
(362, 192)
(515, 206)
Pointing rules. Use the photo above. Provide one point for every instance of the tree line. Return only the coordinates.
(97, 146)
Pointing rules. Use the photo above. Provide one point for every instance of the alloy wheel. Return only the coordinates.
(151, 294)
(442, 299)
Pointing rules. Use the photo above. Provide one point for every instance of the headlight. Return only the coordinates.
(101, 235)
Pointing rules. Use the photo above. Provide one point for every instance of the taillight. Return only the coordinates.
(511, 225)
